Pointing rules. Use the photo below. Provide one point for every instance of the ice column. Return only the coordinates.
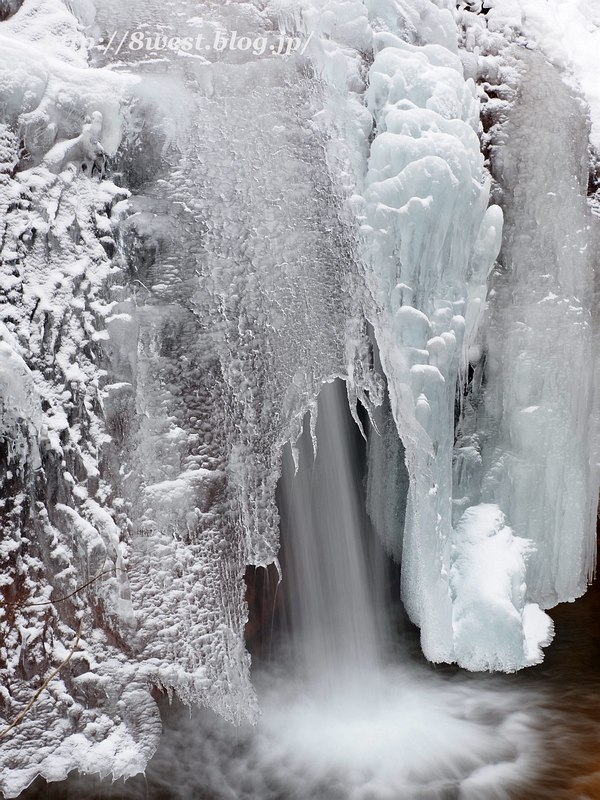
(428, 243)
(529, 436)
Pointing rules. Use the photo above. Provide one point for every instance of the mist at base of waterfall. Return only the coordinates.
(400, 734)
(341, 718)
(406, 734)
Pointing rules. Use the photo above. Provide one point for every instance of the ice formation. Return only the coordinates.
(181, 274)
(425, 197)
(567, 33)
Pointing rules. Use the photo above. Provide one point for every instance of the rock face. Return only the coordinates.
(62, 521)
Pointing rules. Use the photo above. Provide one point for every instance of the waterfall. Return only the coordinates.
(343, 713)
(236, 238)
(338, 627)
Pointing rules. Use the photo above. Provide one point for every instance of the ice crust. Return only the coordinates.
(161, 342)
(180, 276)
(568, 33)
(536, 475)
(539, 402)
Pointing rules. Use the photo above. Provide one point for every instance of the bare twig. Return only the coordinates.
(43, 686)
(79, 589)
(67, 596)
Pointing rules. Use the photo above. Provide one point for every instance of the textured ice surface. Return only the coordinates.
(160, 343)
(429, 243)
(523, 431)
(523, 449)
(400, 198)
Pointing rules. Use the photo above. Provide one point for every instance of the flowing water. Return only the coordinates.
(336, 618)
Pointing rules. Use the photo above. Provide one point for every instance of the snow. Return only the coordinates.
(101, 746)
(568, 33)
(493, 627)
(58, 281)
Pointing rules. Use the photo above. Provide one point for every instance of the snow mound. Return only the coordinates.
(494, 628)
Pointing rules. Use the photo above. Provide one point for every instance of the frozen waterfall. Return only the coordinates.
(230, 232)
